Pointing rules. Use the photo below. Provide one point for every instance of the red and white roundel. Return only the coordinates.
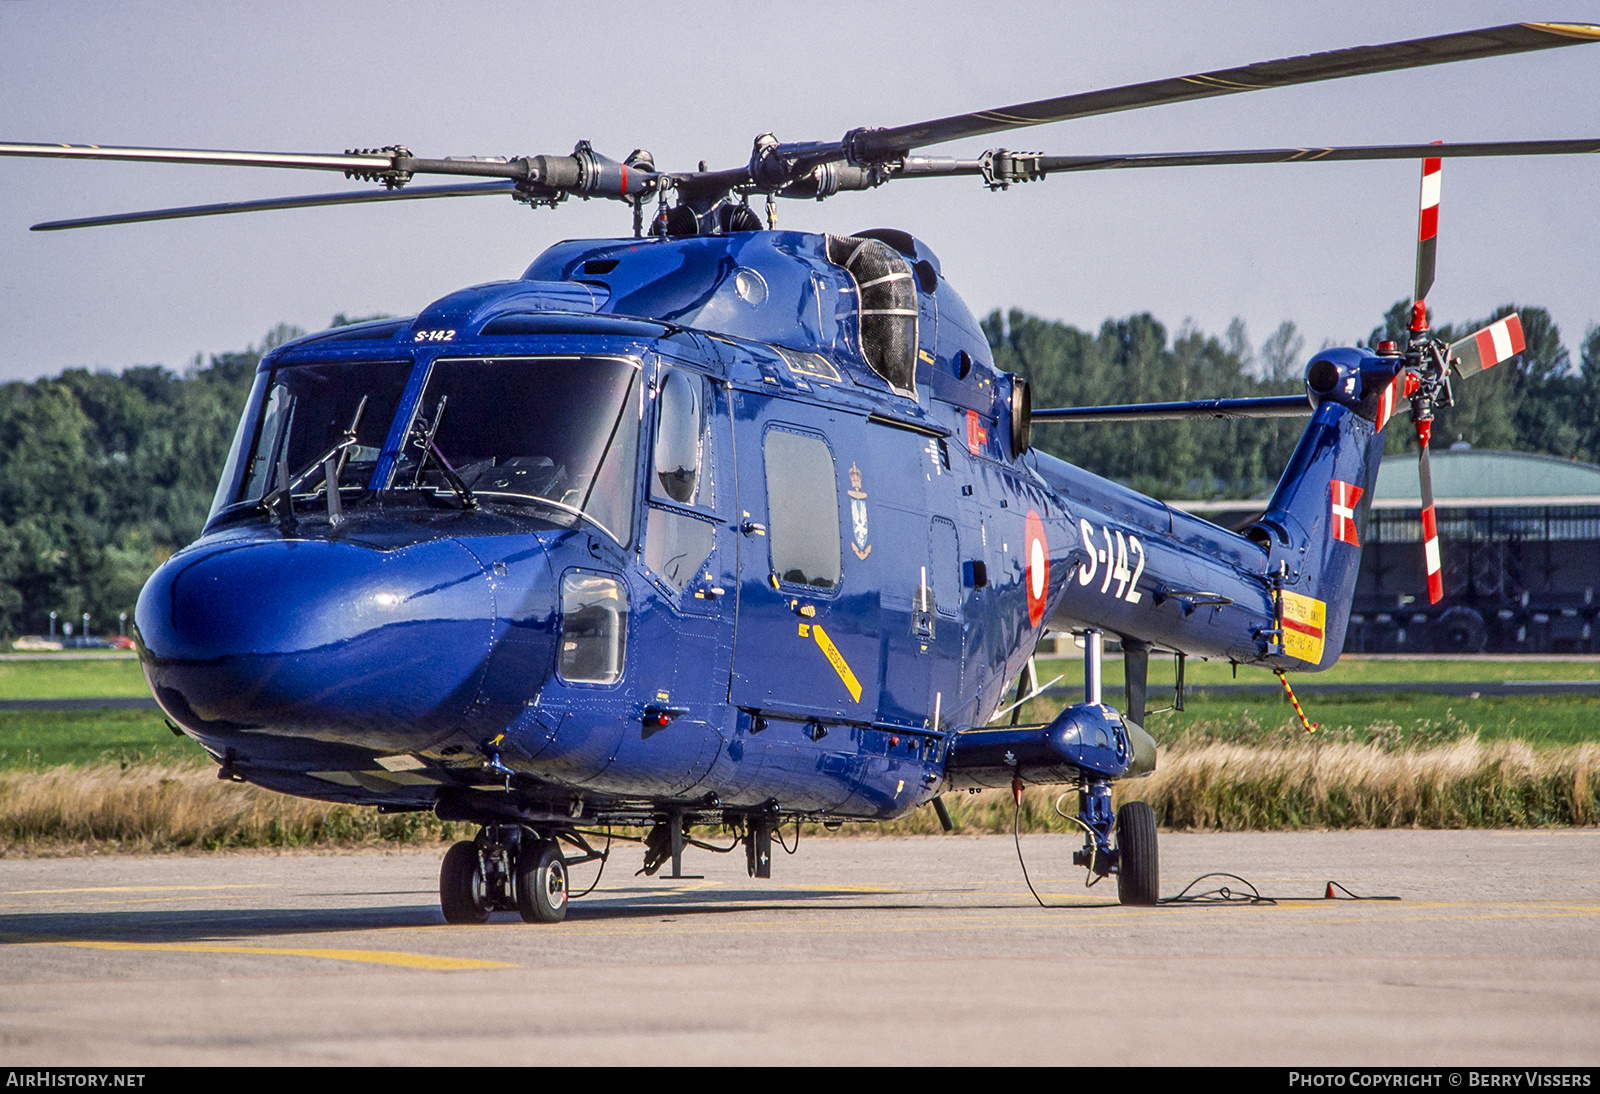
(1038, 556)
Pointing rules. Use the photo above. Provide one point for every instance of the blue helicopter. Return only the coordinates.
(719, 525)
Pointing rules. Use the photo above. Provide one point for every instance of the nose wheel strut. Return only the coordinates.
(508, 868)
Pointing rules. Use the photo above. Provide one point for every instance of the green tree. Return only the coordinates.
(103, 476)
(1131, 360)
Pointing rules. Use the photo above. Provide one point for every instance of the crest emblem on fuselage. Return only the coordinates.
(858, 515)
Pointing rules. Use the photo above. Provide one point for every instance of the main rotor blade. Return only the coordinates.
(1002, 167)
(306, 201)
(318, 162)
(1352, 153)
(878, 145)
(1271, 406)
(363, 164)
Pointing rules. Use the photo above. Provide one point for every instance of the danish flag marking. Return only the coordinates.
(1345, 496)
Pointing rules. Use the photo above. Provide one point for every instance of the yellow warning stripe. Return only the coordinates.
(836, 659)
(131, 889)
(1205, 80)
(1570, 30)
(1002, 116)
(370, 957)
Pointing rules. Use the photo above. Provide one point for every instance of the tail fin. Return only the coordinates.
(1313, 527)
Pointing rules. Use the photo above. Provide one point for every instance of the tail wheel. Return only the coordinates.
(542, 883)
(463, 893)
(1138, 873)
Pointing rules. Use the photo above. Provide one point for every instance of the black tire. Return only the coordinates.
(462, 893)
(542, 883)
(1460, 630)
(1138, 872)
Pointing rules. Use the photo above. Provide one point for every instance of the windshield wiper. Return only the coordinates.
(332, 463)
(430, 450)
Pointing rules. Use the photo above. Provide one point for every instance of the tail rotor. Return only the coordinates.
(1424, 378)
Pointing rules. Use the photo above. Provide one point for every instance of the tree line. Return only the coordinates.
(103, 475)
(1537, 402)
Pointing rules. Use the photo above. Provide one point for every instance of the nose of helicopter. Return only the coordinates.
(327, 640)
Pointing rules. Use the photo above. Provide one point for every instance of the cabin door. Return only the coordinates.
(806, 645)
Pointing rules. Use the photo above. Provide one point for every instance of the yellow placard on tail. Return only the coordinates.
(1303, 622)
(836, 659)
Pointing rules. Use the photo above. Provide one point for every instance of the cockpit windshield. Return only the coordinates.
(559, 430)
(563, 430)
(303, 420)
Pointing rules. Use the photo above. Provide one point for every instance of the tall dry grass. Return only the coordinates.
(166, 807)
(1315, 784)
(1199, 783)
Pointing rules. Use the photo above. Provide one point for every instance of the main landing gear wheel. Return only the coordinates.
(1138, 873)
(463, 893)
(542, 883)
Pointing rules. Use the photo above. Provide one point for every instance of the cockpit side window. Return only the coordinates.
(680, 438)
(676, 543)
(802, 509)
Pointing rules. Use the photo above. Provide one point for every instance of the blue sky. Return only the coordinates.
(1328, 246)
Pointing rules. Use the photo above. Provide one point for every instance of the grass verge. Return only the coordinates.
(160, 806)
(1391, 719)
(38, 739)
(64, 676)
(1198, 784)
(1312, 783)
(41, 739)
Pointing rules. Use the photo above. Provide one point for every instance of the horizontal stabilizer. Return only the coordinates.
(1273, 406)
(1084, 739)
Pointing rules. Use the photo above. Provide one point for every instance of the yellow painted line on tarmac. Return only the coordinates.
(1579, 905)
(368, 957)
(943, 922)
(130, 889)
(1531, 913)
(35, 905)
(854, 889)
(707, 884)
(1098, 911)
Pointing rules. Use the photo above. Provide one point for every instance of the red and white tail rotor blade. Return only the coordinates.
(1430, 523)
(1389, 399)
(1427, 228)
(1488, 347)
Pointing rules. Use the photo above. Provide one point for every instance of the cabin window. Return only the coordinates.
(802, 509)
(594, 628)
(680, 437)
(675, 544)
